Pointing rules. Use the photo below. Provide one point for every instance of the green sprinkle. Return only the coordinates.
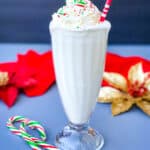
(80, 2)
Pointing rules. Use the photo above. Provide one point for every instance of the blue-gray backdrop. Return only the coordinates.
(27, 20)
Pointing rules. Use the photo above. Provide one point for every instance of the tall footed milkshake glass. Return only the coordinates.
(79, 57)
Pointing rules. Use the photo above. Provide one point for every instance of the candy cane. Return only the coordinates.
(105, 10)
(33, 142)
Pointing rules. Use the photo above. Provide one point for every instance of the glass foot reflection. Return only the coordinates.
(79, 137)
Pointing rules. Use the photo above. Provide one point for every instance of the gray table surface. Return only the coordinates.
(129, 131)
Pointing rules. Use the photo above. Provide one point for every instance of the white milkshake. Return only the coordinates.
(79, 44)
(79, 60)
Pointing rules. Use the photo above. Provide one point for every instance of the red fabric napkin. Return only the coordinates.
(33, 73)
(120, 64)
(116, 63)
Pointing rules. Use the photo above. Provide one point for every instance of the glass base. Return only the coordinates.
(79, 137)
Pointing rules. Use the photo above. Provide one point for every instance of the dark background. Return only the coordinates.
(28, 20)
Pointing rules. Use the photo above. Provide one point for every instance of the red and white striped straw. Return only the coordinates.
(105, 10)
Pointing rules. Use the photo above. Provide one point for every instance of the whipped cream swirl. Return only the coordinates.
(77, 14)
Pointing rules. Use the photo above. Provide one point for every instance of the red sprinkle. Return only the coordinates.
(79, 5)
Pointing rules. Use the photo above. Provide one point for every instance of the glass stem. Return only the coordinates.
(78, 127)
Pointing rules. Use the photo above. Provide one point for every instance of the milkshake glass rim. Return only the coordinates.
(103, 25)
